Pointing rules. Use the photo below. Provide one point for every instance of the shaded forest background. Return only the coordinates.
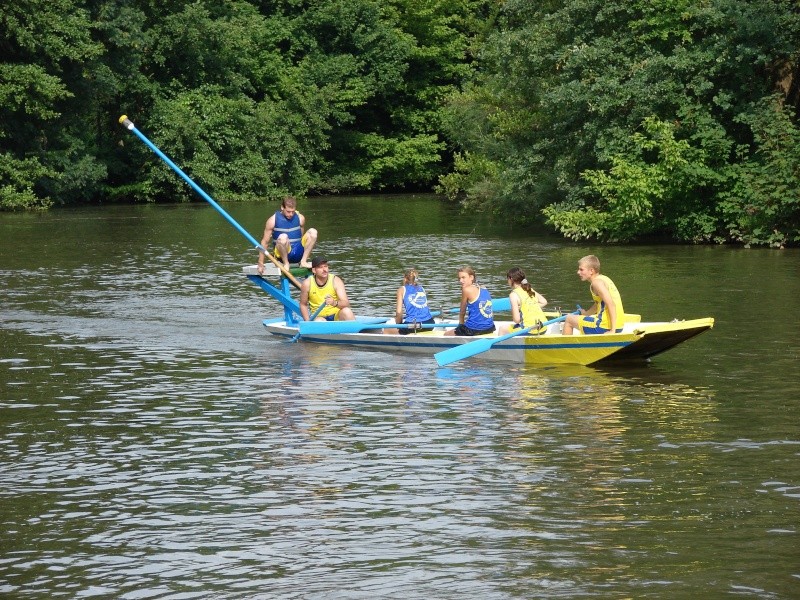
(608, 120)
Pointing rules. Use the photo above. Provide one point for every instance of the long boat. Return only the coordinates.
(638, 340)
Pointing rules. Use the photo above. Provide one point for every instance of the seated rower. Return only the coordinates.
(413, 302)
(324, 288)
(475, 315)
(607, 314)
(526, 303)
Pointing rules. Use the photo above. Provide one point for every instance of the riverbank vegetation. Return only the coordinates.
(610, 120)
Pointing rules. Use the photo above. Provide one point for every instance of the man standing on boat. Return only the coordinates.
(286, 230)
(326, 290)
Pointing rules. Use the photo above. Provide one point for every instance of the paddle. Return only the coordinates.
(330, 327)
(501, 304)
(451, 355)
(128, 124)
(314, 316)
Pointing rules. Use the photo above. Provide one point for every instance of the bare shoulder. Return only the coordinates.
(598, 283)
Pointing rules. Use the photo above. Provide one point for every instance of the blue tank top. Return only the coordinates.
(415, 302)
(290, 227)
(479, 313)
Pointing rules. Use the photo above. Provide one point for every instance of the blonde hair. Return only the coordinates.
(289, 202)
(591, 261)
(411, 277)
(468, 270)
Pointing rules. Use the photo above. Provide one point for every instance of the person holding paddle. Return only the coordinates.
(413, 301)
(526, 303)
(607, 314)
(324, 288)
(286, 230)
(475, 315)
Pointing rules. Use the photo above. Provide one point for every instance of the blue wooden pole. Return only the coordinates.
(128, 124)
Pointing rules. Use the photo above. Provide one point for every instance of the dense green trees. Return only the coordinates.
(619, 119)
(608, 119)
(254, 99)
(44, 46)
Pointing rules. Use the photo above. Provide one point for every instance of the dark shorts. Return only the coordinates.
(410, 330)
(464, 330)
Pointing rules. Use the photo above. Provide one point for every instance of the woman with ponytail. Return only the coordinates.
(526, 303)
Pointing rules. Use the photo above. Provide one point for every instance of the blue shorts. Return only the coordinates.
(590, 325)
(295, 251)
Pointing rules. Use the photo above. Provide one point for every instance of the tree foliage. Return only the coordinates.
(608, 119)
(253, 98)
(622, 119)
(44, 46)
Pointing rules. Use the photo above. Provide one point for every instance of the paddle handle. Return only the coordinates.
(316, 312)
(338, 327)
(314, 316)
(128, 124)
(500, 304)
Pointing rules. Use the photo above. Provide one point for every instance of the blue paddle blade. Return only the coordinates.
(500, 304)
(456, 353)
(451, 355)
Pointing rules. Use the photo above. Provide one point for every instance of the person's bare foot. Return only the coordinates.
(305, 264)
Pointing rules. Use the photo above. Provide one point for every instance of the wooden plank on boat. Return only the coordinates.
(271, 270)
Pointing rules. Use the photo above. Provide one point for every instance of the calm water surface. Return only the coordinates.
(155, 442)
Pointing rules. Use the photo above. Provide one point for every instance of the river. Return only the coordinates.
(156, 442)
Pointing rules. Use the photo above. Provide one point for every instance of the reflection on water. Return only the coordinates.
(156, 443)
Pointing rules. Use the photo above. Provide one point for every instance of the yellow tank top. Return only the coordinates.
(317, 294)
(529, 307)
(602, 312)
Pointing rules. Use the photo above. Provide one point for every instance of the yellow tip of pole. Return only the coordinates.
(122, 119)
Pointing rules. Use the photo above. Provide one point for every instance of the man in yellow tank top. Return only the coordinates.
(607, 314)
(324, 288)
